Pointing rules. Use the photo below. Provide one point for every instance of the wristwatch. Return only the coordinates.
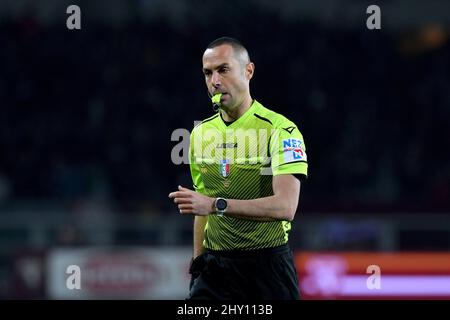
(221, 205)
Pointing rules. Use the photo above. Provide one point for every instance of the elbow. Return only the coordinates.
(288, 212)
(286, 208)
(289, 216)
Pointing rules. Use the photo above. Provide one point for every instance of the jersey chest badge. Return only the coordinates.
(224, 167)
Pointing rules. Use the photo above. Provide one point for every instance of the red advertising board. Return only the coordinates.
(366, 275)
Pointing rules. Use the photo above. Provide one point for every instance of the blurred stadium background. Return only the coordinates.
(86, 119)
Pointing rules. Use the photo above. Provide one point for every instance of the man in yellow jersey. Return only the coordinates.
(246, 164)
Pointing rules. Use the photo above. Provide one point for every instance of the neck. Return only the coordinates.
(236, 113)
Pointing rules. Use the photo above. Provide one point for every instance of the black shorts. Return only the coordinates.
(266, 274)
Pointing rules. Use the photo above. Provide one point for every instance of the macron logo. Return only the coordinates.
(289, 129)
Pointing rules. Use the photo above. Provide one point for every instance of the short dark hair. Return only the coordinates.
(234, 43)
(226, 40)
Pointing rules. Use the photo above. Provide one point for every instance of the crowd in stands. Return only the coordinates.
(89, 114)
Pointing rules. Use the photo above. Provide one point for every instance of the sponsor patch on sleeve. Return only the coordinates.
(293, 150)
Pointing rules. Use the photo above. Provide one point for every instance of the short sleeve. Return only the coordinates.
(288, 150)
(197, 181)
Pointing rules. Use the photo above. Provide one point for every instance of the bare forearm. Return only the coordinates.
(281, 206)
(273, 207)
(199, 234)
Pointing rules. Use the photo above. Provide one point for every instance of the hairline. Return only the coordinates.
(239, 51)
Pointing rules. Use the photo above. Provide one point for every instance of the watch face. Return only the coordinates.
(221, 204)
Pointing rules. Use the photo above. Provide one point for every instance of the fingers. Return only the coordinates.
(182, 200)
(186, 211)
(185, 207)
(183, 192)
(179, 194)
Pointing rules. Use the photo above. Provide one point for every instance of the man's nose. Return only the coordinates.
(216, 80)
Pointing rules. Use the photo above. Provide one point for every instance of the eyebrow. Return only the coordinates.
(225, 64)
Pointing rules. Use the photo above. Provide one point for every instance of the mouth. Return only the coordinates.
(218, 96)
(223, 95)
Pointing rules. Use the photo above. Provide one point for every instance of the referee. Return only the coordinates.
(247, 163)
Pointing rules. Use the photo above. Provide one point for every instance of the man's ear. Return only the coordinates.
(249, 70)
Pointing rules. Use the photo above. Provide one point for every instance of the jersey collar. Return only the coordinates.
(242, 118)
